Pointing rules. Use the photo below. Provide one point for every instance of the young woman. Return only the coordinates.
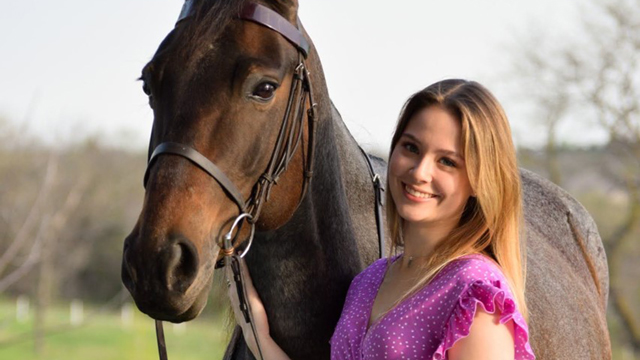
(454, 209)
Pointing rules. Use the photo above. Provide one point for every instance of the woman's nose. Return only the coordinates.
(423, 170)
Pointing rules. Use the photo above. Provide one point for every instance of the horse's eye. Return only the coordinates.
(264, 91)
(145, 88)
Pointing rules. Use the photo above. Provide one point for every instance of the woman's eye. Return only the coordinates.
(410, 147)
(264, 91)
(447, 162)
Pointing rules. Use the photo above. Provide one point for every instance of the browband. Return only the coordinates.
(266, 17)
(271, 19)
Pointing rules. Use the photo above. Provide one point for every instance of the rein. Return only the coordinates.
(287, 143)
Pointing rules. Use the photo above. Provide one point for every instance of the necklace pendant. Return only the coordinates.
(410, 260)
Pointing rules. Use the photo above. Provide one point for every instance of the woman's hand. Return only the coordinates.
(269, 349)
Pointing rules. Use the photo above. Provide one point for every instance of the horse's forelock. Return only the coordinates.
(212, 16)
(206, 22)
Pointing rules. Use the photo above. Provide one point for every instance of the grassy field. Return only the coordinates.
(105, 336)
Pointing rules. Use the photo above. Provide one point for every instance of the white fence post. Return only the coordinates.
(22, 309)
(180, 329)
(126, 315)
(77, 312)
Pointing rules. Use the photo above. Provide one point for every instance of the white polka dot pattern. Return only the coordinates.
(428, 323)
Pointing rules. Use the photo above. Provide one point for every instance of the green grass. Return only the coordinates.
(103, 336)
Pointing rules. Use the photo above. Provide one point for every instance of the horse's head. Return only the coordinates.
(219, 86)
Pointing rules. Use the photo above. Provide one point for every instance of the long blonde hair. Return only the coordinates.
(491, 221)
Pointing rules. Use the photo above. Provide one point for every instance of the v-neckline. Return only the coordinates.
(370, 325)
(373, 324)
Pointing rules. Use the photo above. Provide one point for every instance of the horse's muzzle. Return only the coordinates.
(164, 283)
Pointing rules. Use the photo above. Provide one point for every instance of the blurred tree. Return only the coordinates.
(64, 212)
(596, 76)
(542, 81)
(20, 246)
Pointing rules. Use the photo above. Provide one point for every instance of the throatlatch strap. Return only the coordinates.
(379, 203)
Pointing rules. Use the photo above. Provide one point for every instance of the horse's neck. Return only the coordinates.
(337, 215)
(302, 271)
(345, 173)
(358, 184)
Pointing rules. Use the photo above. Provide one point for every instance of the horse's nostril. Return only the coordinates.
(182, 266)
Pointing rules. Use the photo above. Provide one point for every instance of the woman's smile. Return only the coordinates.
(417, 195)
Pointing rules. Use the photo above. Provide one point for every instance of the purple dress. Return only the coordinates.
(428, 323)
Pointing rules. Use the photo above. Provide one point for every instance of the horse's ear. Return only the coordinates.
(288, 9)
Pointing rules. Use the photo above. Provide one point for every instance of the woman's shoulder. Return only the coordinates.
(378, 266)
(474, 267)
(370, 278)
(481, 283)
(374, 271)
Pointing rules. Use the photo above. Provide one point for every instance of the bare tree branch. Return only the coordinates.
(50, 228)
(20, 239)
(597, 76)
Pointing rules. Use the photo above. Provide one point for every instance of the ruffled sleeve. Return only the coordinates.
(492, 295)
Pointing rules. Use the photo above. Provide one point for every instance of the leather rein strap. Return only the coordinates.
(379, 203)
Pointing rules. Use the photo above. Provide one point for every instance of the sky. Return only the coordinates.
(68, 68)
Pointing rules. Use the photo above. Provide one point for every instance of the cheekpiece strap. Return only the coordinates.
(379, 203)
(264, 16)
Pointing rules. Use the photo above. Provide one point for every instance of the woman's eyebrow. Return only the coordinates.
(410, 137)
(451, 153)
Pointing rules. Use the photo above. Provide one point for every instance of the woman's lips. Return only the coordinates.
(414, 193)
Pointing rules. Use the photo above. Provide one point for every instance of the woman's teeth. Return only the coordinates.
(417, 193)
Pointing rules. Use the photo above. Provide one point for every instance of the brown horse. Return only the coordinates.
(220, 84)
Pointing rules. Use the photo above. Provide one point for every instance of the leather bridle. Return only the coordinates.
(291, 130)
(288, 141)
(289, 138)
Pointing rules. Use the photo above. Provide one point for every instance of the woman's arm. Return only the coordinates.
(487, 339)
(270, 350)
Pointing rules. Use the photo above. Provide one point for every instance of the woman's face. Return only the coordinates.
(427, 174)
